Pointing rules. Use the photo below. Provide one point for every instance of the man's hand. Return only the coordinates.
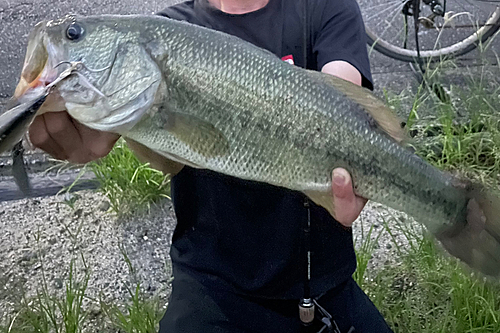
(66, 139)
(347, 205)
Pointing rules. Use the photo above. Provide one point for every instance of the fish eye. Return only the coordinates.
(74, 32)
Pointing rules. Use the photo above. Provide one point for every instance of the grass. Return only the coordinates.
(128, 183)
(364, 254)
(461, 132)
(140, 315)
(130, 186)
(47, 312)
(469, 144)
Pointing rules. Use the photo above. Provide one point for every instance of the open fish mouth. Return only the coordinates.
(39, 67)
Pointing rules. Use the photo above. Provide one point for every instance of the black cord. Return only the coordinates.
(416, 15)
(305, 32)
(307, 251)
(307, 227)
(405, 43)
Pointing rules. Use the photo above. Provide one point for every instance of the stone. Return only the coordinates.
(58, 283)
(78, 212)
(104, 206)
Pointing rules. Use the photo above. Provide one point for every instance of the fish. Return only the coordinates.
(187, 95)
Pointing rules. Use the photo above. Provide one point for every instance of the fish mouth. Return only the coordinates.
(38, 70)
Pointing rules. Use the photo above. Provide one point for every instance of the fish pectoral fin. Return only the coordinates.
(157, 160)
(377, 109)
(323, 199)
(201, 136)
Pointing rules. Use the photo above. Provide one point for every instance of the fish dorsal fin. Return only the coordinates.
(377, 109)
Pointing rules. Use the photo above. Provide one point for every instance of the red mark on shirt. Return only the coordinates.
(288, 59)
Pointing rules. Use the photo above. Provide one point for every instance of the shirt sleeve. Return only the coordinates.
(339, 34)
(181, 12)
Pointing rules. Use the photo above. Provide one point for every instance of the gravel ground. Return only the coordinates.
(42, 235)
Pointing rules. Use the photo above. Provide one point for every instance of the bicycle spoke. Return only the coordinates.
(396, 6)
(371, 8)
(389, 25)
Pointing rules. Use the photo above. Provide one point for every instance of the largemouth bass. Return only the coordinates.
(198, 97)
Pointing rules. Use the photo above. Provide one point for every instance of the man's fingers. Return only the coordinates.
(38, 132)
(63, 132)
(98, 143)
(63, 138)
(347, 205)
(40, 137)
(342, 185)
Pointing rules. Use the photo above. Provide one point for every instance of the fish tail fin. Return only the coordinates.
(477, 242)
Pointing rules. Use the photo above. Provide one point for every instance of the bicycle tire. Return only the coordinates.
(459, 48)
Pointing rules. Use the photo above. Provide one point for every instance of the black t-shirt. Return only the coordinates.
(248, 236)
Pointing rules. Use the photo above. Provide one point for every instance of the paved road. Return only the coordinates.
(18, 16)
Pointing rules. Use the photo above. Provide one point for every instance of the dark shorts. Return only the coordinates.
(195, 308)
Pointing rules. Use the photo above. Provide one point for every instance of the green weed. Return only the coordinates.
(128, 183)
(46, 312)
(140, 315)
(364, 253)
(459, 133)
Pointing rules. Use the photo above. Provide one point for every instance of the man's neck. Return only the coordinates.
(238, 6)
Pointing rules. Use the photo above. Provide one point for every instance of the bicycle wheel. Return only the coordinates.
(466, 24)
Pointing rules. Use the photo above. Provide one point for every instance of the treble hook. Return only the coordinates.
(72, 69)
(75, 68)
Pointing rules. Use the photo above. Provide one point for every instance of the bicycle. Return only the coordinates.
(428, 30)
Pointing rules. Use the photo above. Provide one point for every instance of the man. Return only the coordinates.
(239, 252)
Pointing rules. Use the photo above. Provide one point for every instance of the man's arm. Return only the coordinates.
(343, 70)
